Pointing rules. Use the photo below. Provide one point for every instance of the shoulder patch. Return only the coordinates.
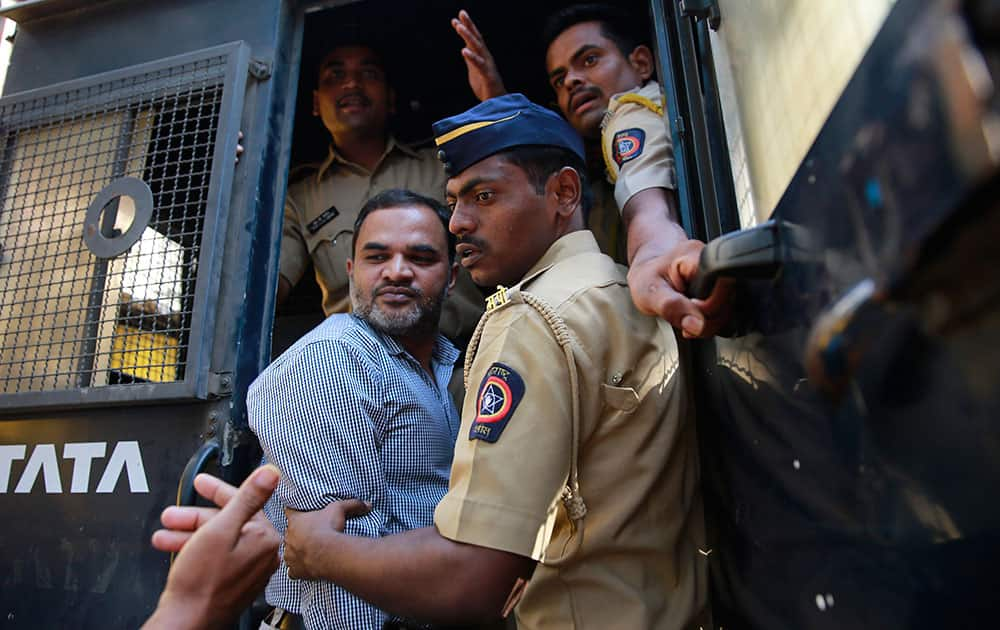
(627, 145)
(328, 215)
(499, 394)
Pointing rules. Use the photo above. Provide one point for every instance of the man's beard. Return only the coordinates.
(420, 317)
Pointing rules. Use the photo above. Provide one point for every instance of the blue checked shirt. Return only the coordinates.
(347, 413)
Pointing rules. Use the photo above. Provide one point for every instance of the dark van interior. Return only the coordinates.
(428, 75)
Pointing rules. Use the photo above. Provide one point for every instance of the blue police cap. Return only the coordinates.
(500, 123)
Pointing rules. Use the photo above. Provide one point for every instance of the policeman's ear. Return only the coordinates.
(350, 265)
(641, 60)
(567, 191)
(452, 277)
(315, 102)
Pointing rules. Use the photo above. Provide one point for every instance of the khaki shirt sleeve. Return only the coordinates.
(501, 492)
(294, 256)
(638, 152)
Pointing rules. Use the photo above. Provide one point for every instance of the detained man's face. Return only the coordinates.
(585, 70)
(400, 273)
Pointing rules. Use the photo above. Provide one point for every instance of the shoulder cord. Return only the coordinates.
(638, 99)
(576, 509)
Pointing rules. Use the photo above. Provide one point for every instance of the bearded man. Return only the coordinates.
(359, 407)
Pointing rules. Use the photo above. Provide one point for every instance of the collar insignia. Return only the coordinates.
(497, 299)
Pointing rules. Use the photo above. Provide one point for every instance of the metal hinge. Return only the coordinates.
(702, 10)
(259, 69)
(220, 384)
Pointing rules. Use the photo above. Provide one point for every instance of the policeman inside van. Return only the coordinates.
(355, 102)
(602, 75)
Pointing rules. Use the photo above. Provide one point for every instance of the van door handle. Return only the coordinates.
(186, 494)
(757, 252)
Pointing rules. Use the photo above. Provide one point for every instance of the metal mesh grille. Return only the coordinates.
(67, 318)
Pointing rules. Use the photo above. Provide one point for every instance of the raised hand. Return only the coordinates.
(484, 78)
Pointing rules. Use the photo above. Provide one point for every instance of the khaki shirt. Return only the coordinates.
(605, 221)
(633, 561)
(320, 210)
(638, 151)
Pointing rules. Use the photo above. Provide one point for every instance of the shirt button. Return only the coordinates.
(617, 378)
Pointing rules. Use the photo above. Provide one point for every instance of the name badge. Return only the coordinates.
(328, 215)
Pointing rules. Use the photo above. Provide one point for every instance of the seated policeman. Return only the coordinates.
(355, 102)
(358, 408)
(576, 465)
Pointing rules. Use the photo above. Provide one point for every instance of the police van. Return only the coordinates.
(840, 159)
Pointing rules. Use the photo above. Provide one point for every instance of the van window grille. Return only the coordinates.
(69, 319)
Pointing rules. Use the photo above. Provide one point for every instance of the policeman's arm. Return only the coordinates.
(484, 78)
(418, 574)
(663, 260)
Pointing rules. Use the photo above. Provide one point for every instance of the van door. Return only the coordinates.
(137, 273)
(849, 420)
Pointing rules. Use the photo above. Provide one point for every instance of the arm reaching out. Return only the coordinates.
(226, 556)
(663, 261)
(484, 78)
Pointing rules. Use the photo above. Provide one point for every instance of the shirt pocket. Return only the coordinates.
(329, 249)
(622, 399)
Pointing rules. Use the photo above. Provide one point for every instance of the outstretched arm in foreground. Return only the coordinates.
(226, 556)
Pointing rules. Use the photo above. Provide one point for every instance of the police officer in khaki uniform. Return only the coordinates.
(576, 467)
(594, 52)
(354, 101)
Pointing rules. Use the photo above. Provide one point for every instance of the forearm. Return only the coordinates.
(651, 224)
(420, 574)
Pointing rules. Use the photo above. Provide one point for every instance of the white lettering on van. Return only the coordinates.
(125, 458)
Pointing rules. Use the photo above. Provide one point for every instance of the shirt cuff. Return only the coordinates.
(484, 525)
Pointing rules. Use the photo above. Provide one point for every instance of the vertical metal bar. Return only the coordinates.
(718, 144)
(695, 121)
(688, 196)
(688, 68)
(95, 299)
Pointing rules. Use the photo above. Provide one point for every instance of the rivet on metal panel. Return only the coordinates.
(220, 383)
(259, 69)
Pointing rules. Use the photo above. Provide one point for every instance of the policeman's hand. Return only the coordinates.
(484, 78)
(307, 530)
(658, 283)
(228, 559)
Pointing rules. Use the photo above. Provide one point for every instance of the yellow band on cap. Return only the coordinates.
(464, 129)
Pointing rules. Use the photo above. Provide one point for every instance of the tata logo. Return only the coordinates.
(43, 462)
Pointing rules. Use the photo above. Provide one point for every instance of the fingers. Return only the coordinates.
(476, 60)
(249, 499)
(719, 300)
(214, 489)
(352, 508)
(186, 518)
(467, 30)
(170, 541)
(466, 19)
